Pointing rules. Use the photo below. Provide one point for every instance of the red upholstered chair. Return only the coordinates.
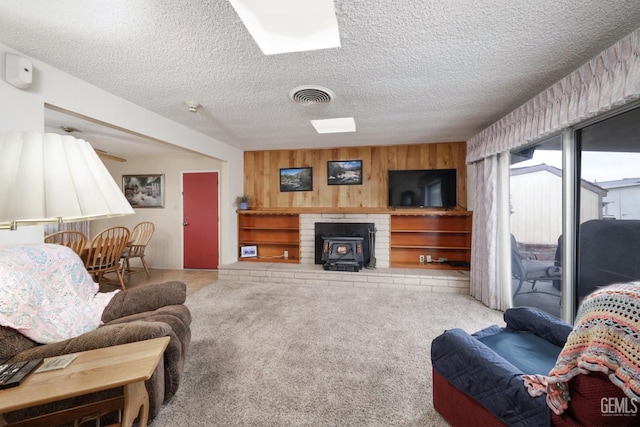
(478, 379)
(587, 392)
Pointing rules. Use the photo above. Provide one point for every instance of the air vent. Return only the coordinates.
(308, 95)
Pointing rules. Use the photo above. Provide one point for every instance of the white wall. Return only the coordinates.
(165, 249)
(471, 185)
(23, 110)
(24, 234)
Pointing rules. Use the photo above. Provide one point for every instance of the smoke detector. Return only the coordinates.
(192, 106)
(309, 95)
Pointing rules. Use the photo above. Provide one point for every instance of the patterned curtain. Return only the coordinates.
(484, 255)
(609, 80)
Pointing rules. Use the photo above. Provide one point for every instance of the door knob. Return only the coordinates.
(185, 224)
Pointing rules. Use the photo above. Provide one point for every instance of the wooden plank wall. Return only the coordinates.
(262, 174)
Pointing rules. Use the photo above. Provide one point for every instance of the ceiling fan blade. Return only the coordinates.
(105, 155)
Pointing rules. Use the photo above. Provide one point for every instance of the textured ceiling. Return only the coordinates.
(407, 71)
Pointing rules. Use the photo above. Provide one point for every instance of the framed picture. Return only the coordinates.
(248, 251)
(144, 191)
(344, 172)
(296, 179)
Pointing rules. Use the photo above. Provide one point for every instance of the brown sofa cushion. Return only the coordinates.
(105, 336)
(145, 298)
(179, 318)
(12, 342)
(134, 315)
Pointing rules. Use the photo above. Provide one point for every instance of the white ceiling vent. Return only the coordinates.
(308, 95)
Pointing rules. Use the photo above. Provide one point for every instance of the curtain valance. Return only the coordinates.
(609, 80)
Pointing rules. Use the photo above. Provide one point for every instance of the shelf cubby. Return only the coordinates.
(439, 235)
(272, 234)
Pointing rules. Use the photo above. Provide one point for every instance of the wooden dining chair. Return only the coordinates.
(76, 240)
(140, 236)
(104, 252)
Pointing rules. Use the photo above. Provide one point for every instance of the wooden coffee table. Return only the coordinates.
(127, 365)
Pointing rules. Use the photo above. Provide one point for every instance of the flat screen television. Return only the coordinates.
(426, 188)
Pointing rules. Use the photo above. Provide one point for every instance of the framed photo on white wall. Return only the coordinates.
(144, 191)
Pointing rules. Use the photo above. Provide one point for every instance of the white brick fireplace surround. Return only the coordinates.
(307, 234)
(308, 273)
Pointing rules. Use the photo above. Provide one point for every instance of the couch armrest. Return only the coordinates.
(539, 323)
(12, 342)
(145, 298)
(106, 336)
(479, 372)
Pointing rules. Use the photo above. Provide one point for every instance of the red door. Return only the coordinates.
(200, 219)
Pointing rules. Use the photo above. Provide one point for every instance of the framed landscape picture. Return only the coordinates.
(296, 179)
(248, 251)
(144, 191)
(344, 172)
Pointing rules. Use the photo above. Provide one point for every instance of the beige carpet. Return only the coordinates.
(283, 355)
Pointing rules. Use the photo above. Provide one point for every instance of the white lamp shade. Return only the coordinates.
(44, 177)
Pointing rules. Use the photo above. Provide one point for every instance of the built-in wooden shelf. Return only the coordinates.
(438, 234)
(272, 234)
(352, 210)
(413, 232)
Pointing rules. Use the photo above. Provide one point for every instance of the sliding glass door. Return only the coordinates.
(536, 225)
(608, 235)
(597, 205)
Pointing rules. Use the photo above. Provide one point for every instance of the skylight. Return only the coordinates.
(282, 26)
(345, 124)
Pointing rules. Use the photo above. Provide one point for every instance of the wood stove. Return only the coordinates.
(335, 230)
(342, 253)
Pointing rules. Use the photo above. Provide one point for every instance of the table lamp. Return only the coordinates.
(46, 177)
